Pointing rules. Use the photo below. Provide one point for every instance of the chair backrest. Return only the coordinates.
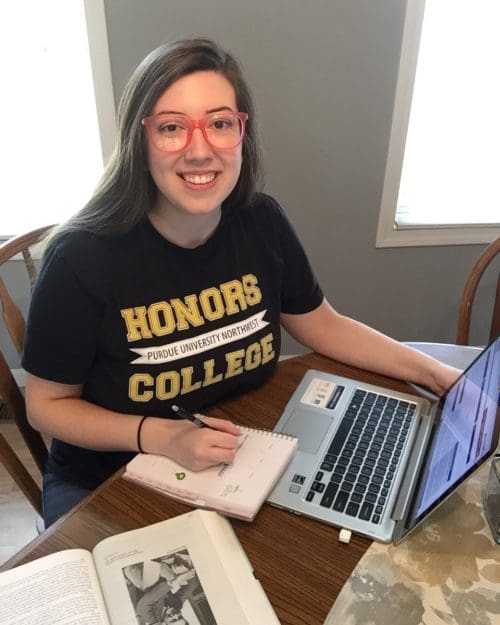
(470, 288)
(10, 393)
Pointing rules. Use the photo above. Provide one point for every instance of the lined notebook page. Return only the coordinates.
(238, 489)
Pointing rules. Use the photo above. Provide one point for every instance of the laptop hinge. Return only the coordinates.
(409, 482)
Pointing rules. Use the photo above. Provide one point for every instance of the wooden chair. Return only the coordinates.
(10, 393)
(465, 308)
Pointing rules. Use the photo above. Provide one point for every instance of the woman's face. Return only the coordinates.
(197, 179)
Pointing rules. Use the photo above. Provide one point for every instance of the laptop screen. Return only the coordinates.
(466, 432)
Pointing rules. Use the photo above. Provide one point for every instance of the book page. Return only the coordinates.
(58, 589)
(180, 572)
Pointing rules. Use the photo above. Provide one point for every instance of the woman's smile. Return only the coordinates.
(201, 180)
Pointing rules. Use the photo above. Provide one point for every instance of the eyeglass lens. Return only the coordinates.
(171, 132)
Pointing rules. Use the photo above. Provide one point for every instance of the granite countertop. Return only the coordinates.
(447, 572)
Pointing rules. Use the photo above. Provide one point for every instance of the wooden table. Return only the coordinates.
(300, 562)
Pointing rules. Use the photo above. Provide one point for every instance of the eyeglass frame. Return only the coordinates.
(192, 125)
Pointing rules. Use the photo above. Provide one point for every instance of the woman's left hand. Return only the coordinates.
(442, 377)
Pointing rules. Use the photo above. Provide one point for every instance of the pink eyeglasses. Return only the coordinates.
(172, 132)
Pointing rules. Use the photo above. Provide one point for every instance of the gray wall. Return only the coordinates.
(324, 74)
(15, 278)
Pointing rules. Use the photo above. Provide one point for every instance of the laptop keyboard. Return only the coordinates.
(356, 474)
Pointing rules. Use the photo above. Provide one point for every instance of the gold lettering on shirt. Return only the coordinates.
(252, 292)
(168, 384)
(187, 313)
(234, 362)
(210, 378)
(187, 381)
(267, 348)
(164, 317)
(234, 296)
(137, 323)
(137, 386)
(212, 304)
(161, 318)
(253, 356)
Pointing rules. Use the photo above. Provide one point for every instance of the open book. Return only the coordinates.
(237, 490)
(188, 570)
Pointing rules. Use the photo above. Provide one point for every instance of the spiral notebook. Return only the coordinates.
(238, 489)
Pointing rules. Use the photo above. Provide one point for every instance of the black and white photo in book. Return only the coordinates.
(167, 591)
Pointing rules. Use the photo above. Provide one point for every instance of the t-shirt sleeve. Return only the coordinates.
(301, 292)
(63, 324)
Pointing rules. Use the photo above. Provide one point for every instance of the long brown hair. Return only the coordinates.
(126, 191)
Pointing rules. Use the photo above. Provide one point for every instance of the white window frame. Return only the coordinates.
(101, 71)
(388, 235)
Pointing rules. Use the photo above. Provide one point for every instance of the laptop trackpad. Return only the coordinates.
(309, 427)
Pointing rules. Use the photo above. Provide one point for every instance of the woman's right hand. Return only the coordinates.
(193, 447)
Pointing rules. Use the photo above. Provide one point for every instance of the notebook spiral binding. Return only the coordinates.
(268, 432)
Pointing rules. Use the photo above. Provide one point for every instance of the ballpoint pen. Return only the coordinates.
(184, 414)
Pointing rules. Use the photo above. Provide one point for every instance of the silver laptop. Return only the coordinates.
(376, 461)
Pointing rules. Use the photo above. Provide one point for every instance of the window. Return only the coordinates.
(441, 176)
(57, 109)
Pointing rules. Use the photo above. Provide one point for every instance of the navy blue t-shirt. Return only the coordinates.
(144, 324)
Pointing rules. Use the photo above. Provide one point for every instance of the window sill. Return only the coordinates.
(438, 235)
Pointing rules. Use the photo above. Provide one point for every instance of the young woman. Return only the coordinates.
(170, 285)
